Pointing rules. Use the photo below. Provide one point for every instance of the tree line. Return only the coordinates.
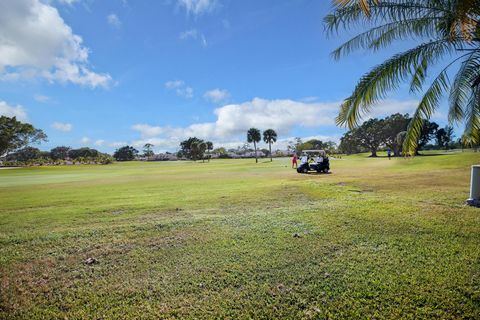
(298, 145)
(57, 156)
(390, 132)
(197, 149)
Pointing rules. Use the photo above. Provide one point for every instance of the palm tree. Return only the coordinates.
(147, 150)
(253, 135)
(448, 28)
(270, 136)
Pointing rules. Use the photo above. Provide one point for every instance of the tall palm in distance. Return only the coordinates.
(253, 135)
(270, 136)
(445, 29)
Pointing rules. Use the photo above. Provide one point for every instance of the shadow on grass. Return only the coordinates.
(418, 155)
(314, 173)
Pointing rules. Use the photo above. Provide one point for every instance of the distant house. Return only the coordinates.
(282, 153)
(251, 154)
(164, 157)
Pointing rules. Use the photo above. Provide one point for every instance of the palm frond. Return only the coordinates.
(386, 77)
(381, 36)
(352, 16)
(425, 109)
(462, 91)
(361, 3)
(472, 118)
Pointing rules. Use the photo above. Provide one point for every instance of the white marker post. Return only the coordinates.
(474, 199)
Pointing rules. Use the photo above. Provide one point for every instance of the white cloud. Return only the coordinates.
(65, 127)
(13, 111)
(198, 7)
(41, 98)
(159, 143)
(193, 33)
(309, 99)
(99, 142)
(85, 140)
(388, 107)
(36, 42)
(186, 92)
(233, 120)
(174, 84)
(216, 95)
(69, 2)
(118, 144)
(180, 88)
(203, 40)
(150, 131)
(114, 21)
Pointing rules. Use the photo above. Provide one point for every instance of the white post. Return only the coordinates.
(474, 199)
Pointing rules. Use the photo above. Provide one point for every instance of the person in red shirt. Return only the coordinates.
(294, 161)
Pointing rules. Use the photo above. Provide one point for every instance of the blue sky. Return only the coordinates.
(104, 73)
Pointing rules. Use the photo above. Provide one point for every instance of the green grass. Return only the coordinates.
(376, 239)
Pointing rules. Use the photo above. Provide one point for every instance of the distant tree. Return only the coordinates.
(202, 147)
(15, 135)
(444, 137)
(209, 149)
(295, 146)
(392, 126)
(427, 133)
(400, 139)
(330, 147)
(349, 143)
(253, 135)
(316, 144)
(25, 154)
(83, 153)
(270, 136)
(126, 153)
(59, 153)
(44, 155)
(220, 151)
(370, 135)
(186, 147)
(194, 147)
(147, 150)
(197, 150)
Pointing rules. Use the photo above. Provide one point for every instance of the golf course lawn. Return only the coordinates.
(234, 239)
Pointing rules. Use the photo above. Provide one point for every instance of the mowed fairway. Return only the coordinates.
(234, 239)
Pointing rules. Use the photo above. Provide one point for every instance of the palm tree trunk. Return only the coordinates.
(255, 147)
(270, 149)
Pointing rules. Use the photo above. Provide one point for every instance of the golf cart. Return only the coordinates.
(309, 161)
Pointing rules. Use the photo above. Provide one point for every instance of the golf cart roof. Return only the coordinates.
(322, 152)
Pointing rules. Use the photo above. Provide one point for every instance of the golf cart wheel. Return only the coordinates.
(304, 170)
